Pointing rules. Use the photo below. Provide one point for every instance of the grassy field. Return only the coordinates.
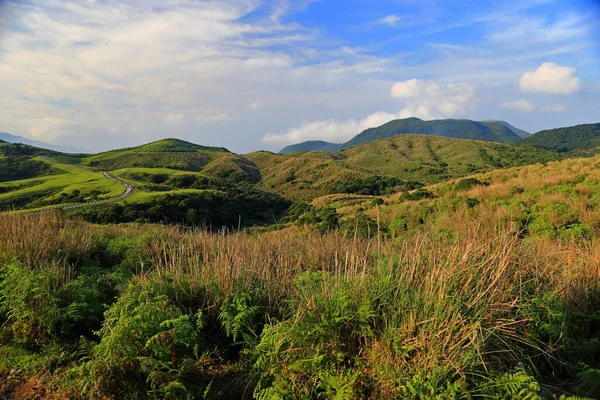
(465, 304)
(55, 189)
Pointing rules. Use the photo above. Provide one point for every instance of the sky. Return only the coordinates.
(251, 74)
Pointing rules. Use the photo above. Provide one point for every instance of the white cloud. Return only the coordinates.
(390, 20)
(174, 119)
(330, 130)
(519, 105)
(550, 77)
(50, 129)
(433, 99)
(425, 99)
(406, 89)
(255, 106)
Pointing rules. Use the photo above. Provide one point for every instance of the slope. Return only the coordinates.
(572, 140)
(412, 159)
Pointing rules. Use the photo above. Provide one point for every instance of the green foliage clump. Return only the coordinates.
(416, 195)
(468, 184)
(50, 304)
(375, 185)
(21, 167)
(210, 209)
(316, 352)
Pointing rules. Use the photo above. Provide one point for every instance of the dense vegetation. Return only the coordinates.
(19, 168)
(213, 209)
(578, 140)
(492, 131)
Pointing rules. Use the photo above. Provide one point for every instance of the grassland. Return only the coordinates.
(67, 184)
(466, 303)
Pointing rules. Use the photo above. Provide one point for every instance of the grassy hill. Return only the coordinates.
(572, 140)
(491, 131)
(410, 158)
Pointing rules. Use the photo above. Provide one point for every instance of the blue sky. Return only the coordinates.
(250, 74)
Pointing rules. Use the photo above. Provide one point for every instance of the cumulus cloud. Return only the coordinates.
(424, 99)
(406, 89)
(519, 105)
(433, 99)
(550, 77)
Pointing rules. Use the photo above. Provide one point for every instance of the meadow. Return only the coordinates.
(469, 302)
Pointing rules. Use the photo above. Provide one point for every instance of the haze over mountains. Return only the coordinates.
(489, 131)
(7, 137)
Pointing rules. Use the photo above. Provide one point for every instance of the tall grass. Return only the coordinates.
(481, 312)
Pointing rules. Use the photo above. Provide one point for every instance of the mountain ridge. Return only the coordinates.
(490, 131)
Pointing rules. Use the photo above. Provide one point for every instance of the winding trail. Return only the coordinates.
(129, 189)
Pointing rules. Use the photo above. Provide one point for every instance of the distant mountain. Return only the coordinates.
(489, 131)
(312, 145)
(7, 137)
(522, 134)
(573, 140)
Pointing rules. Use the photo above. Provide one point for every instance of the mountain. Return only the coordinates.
(573, 140)
(312, 145)
(522, 134)
(489, 131)
(7, 137)
(410, 159)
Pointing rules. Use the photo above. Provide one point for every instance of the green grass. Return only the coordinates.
(46, 190)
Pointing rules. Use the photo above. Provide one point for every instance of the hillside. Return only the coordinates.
(573, 140)
(522, 134)
(419, 159)
(490, 131)
(483, 287)
(312, 145)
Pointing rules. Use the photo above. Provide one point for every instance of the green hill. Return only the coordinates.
(489, 131)
(573, 140)
(312, 145)
(410, 158)
(522, 134)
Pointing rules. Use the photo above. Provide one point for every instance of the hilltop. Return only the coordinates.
(491, 131)
(572, 140)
